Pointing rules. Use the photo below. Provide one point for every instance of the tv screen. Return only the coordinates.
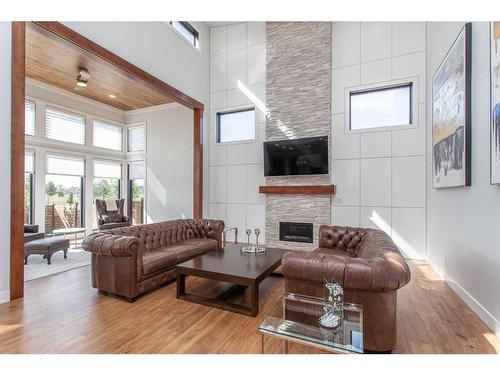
(296, 157)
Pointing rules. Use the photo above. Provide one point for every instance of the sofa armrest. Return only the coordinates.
(107, 244)
(378, 275)
(213, 229)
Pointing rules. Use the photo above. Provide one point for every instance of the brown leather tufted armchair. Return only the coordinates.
(369, 267)
(130, 261)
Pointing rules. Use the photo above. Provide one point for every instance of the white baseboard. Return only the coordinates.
(4, 296)
(475, 306)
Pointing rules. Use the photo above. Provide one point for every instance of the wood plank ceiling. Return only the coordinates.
(55, 61)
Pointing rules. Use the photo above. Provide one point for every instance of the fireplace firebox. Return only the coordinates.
(296, 232)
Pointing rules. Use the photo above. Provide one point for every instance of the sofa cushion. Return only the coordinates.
(157, 260)
(190, 248)
(330, 251)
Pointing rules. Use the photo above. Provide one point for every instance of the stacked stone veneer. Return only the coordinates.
(298, 98)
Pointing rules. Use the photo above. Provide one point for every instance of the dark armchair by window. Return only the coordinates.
(111, 217)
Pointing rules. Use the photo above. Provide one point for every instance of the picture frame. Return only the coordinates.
(451, 115)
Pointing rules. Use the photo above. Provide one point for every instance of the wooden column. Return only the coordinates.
(17, 161)
(198, 164)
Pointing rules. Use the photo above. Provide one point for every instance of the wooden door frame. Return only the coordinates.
(18, 80)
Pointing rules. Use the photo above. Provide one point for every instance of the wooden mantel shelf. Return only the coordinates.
(298, 189)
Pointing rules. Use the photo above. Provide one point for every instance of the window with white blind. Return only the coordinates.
(107, 135)
(64, 126)
(65, 165)
(29, 170)
(29, 117)
(136, 184)
(107, 169)
(105, 184)
(136, 141)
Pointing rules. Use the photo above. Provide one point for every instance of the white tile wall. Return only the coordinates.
(380, 176)
(238, 54)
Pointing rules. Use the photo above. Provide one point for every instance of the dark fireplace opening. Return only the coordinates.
(296, 232)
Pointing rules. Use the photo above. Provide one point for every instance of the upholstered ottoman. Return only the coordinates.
(46, 247)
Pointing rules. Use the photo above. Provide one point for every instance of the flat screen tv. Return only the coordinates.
(295, 157)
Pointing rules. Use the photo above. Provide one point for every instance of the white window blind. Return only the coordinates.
(136, 170)
(106, 169)
(64, 126)
(107, 135)
(29, 117)
(29, 161)
(66, 165)
(136, 138)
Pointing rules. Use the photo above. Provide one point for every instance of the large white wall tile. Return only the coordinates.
(345, 44)
(408, 231)
(376, 144)
(345, 175)
(236, 217)
(236, 68)
(259, 90)
(236, 36)
(408, 37)
(256, 214)
(376, 182)
(217, 211)
(344, 146)
(218, 155)
(235, 97)
(377, 218)
(408, 181)
(409, 66)
(218, 184)
(218, 40)
(341, 79)
(256, 33)
(376, 71)
(218, 73)
(254, 179)
(255, 153)
(345, 216)
(217, 101)
(236, 153)
(375, 40)
(256, 64)
(410, 141)
(236, 183)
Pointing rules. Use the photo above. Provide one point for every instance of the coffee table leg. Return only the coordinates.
(181, 284)
(262, 343)
(254, 290)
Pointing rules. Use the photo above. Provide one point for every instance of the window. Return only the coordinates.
(29, 117)
(64, 126)
(136, 192)
(136, 138)
(236, 125)
(107, 135)
(64, 181)
(105, 184)
(187, 31)
(29, 170)
(381, 107)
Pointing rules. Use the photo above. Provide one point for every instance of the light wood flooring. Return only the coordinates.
(64, 314)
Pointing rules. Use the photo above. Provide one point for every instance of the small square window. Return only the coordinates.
(381, 107)
(187, 31)
(236, 126)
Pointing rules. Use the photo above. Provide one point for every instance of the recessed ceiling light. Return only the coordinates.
(112, 96)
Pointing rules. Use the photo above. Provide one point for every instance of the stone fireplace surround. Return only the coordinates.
(298, 96)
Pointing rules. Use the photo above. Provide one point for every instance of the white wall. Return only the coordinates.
(463, 223)
(5, 53)
(169, 161)
(380, 176)
(238, 53)
(160, 51)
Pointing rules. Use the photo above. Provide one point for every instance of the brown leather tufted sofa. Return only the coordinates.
(369, 267)
(130, 261)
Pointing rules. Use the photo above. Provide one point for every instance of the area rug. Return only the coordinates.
(37, 266)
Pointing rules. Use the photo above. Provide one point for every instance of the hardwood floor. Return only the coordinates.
(63, 314)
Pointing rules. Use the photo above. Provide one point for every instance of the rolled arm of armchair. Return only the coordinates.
(213, 229)
(107, 244)
(377, 274)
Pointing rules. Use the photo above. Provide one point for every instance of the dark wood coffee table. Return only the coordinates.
(232, 266)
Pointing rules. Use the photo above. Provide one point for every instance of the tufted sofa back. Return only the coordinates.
(168, 233)
(343, 238)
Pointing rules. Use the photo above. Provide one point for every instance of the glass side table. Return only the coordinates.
(298, 321)
(224, 234)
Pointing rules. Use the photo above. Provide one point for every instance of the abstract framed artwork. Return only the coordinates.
(495, 103)
(451, 115)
